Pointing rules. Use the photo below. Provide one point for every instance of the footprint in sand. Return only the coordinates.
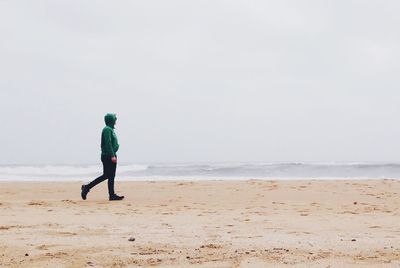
(68, 201)
(42, 247)
(278, 203)
(303, 212)
(184, 183)
(370, 209)
(45, 247)
(36, 203)
(167, 213)
(302, 188)
(56, 255)
(209, 211)
(260, 213)
(349, 212)
(375, 227)
(66, 233)
(212, 246)
(271, 186)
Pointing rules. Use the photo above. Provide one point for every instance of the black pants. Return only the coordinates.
(109, 169)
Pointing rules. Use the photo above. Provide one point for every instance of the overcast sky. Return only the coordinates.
(200, 80)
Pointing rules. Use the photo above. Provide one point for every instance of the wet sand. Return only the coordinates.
(202, 224)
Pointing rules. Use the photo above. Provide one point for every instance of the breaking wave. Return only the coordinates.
(255, 170)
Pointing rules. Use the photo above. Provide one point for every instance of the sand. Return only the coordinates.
(202, 224)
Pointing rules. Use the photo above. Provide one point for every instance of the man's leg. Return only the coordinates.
(106, 168)
(96, 181)
(111, 177)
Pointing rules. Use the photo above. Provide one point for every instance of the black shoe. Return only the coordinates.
(84, 192)
(115, 197)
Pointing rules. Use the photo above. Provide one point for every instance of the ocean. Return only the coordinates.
(206, 171)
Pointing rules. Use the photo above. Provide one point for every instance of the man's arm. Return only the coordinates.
(107, 142)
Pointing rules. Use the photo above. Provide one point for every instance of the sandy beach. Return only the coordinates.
(202, 224)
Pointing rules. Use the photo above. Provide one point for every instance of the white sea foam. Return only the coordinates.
(58, 172)
(206, 171)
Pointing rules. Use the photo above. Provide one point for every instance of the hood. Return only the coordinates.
(110, 120)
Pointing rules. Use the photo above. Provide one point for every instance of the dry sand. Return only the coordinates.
(202, 224)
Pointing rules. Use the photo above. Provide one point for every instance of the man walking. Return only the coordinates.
(109, 148)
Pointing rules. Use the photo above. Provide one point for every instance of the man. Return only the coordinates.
(109, 148)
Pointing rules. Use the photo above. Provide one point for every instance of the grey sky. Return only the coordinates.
(200, 80)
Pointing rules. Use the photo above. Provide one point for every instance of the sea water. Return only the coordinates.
(205, 171)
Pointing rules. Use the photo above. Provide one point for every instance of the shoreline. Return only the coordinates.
(250, 223)
(199, 179)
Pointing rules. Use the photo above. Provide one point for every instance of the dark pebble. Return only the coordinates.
(131, 239)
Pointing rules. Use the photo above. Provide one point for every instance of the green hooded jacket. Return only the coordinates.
(109, 141)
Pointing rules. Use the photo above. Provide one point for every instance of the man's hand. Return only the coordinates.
(114, 159)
